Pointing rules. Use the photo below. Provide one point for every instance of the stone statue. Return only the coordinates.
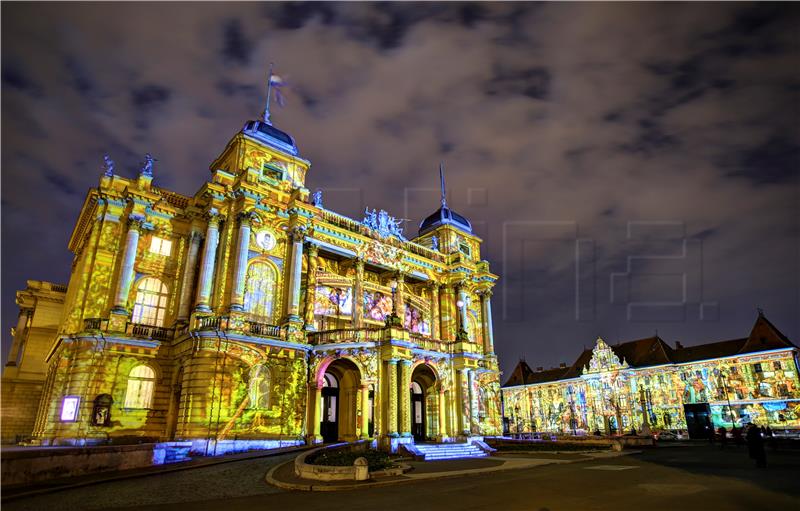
(435, 243)
(316, 199)
(383, 223)
(147, 169)
(108, 166)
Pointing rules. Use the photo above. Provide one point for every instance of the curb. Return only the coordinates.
(270, 479)
(176, 468)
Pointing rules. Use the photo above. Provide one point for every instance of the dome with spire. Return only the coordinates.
(265, 132)
(444, 215)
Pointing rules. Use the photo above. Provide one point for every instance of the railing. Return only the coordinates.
(263, 329)
(346, 335)
(150, 332)
(250, 327)
(95, 324)
(427, 343)
(359, 228)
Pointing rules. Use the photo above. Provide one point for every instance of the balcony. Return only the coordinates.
(149, 332)
(429, 344)
(224, 323)
(346, 335)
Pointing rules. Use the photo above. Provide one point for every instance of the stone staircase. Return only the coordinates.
(435, 452)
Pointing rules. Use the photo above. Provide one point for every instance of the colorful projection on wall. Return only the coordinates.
(333, 301)
(416, 322)
(377, 305)
(610, 397)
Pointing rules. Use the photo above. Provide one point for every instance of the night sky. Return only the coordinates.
(631, 167)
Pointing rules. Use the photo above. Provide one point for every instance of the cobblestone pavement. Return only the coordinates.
(228, 480)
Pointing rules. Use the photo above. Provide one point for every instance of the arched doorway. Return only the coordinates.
(340, 391)
(424, 404)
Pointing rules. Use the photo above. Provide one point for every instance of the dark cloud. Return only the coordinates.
(564, 127)
(236, 48)
(150, 96)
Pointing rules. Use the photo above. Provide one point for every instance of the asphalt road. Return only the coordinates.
(680, 478)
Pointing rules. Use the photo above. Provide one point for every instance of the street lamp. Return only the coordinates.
(727, 396)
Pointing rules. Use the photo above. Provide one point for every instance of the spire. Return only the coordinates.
(444, 190)
(269, 94)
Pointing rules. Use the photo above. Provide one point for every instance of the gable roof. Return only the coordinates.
(653, 351)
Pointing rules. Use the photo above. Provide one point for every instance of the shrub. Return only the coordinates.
(376, 460)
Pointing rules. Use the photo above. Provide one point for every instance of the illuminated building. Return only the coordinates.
(249, 312)
(648, 384)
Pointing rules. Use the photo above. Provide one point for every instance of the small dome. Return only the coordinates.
(444, 215)
(271, 135)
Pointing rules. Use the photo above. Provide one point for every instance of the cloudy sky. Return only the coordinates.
(631, 167)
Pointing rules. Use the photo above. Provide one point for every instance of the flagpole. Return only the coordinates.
(441, 178)
(269, 95)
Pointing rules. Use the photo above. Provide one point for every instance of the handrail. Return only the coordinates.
(150, 331)
(250, 327)
(346, 335)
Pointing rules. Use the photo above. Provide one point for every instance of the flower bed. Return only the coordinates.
(376, 460)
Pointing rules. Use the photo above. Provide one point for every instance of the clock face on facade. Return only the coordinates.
(266, 240)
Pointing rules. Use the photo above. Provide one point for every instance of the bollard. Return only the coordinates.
(362, 469)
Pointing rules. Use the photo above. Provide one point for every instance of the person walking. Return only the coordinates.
(723, 437)
(755, 446)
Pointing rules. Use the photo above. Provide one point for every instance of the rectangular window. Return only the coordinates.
(161, 246)
(69, 408)
(757, 368)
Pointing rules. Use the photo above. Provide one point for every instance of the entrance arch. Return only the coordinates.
(425, 404)
(341, 381)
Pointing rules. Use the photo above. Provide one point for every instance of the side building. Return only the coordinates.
(249, 315)
(646, 384)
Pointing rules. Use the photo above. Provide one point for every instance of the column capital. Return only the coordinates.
(392, 361)
(298, 233)
(485, 293)
(406, 362)
(213, 216)
(136, 222)
(245, 217)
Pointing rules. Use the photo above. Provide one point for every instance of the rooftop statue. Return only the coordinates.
(108, 166)
(147, 169)
(316, 199)
(383, 223)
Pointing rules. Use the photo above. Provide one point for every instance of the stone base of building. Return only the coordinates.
(20, 401)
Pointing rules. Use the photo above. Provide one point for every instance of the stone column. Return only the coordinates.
(405, 398)
(462, 311)
(311, 287)
(392, 388)
(19, 338)
(240, 263)
(208, 264)
(446, 305)
(463, 423)
(188, 275)
(435, 330)
(358, 295)
(488, 335)
(399, 298)
(365, 410)
(295, 274)
(315, 415)
(471, 397)
(128, 260)
(442, 414)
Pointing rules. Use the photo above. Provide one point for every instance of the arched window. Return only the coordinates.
(260, 381)
(416, 388)
(259, 294)
(141, 382)
(150, 306)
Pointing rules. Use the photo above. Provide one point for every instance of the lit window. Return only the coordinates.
(69, 408)
(161, 246)
(260, 291)
(139, 393)
(150, 306)
(260, 380)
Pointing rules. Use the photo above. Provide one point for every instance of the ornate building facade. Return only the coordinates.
(249, 313)
(646, 384)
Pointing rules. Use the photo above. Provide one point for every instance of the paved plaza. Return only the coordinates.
(696, 476)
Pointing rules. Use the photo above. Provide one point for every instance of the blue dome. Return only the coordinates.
(444, 216)
(271, 135)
